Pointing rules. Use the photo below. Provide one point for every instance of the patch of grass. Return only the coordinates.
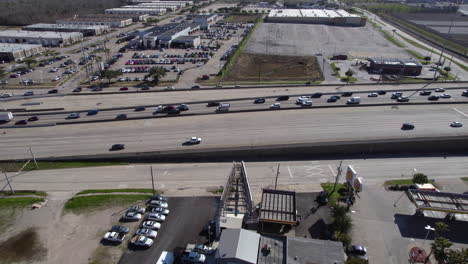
(81, 203)
(241, 19)
(402, 182)
(23, 192)
(465, 179)
(136, 190)
(415, 54)
(217, 191)
(414, 43)
(392, 39)
(48, 165)
(332, 196)
(19, 201)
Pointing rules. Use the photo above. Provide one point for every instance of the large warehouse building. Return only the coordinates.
(189, 3)
(136, 11)
(134, 17)
(315, 16)
(113, 22)
(394, 66)
(11, 52)
(45, 38)
(86, 30)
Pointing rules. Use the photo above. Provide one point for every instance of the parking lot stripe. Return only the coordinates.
(331, 169)
(290, 173)
(459, 111)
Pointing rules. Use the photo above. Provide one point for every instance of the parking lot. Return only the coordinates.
(307, 39)
(187, 217)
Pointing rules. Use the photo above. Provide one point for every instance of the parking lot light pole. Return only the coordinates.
(429, 229)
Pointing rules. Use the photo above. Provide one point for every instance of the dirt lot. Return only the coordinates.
(257, 67)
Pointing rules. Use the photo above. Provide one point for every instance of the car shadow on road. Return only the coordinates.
(413, 226)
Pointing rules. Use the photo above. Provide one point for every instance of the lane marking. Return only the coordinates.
(459, 111)
(333, 172)
(290, 173)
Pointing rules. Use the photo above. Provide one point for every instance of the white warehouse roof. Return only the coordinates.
(38, 34)
(331, 13)
(239, 244)
(11, 47)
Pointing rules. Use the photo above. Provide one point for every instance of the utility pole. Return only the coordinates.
(338, 174)
(152, 179)
(8, 182)
(277, 174)
(34, 159)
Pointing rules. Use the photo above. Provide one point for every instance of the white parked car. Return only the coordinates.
(131, 215)
(156, 217)
(275, 106)
(445, 95)
(114, 236)
(136, 208)
(151, 225)
(456, 124)
(160, 210)
(147, 232)
(142, 241)
(169, 88)
(203, 249)
(193, 140)
(57, 78)
(373, 95)
(154, 203)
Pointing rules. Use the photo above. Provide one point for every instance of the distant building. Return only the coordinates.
(163, 36)
(315, 16)
(186, 41)
(12, 52)
(394, 66)
(189, 3)
(134, 17)
(241, 246)
(46, 38)
(136, 11)
(113, 22)
(86, 30)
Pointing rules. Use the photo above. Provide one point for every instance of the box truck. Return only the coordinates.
(6, 116)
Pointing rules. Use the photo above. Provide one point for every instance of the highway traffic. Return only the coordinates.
(270, 103)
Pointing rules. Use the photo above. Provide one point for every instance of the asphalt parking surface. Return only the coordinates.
(187, 217)
(314, 218)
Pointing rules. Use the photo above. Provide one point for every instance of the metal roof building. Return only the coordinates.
(105, 21)
(134, 17)
(12, 52)
(45, 38)
(278, 207)
(238, 246)
(315, 16)
(156, 1)
(136, 10)
(394, 66)
(86, 30)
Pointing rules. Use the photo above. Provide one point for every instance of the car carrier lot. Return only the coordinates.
(187, 217)
(309, 40)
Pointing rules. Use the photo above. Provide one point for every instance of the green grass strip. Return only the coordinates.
(414, 43)
(23, 192)
(19, 201)
(49, 165)
(401, 182)
(415, 54)
(465, 179)
(77, 204)
(332, 196)
(129, 190)
(392, 39)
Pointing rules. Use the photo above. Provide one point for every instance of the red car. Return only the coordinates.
(124, 89)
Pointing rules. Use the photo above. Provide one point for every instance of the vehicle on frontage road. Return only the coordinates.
(183, 107)
(282, 98)
(465, 93)
(121, 116)
(158, 197)
(146, 232)
(395, 95)
(446, 96)
(373, 95)
(275, 106)
(223, 107)
(192, 141)
(301, 99)
(21, 122)
(306, 104)
(6, 116)
(423, 93)
(407, 126)
(440, 90)
(403, 99)
(433, 98)
(260, 100)
(117, 147)
(114, 236)
(316, 95)
(73, 116)
(354, 100)
(141, 241)
(212, 103)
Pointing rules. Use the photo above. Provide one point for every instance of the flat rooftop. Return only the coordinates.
(305, 250)
(95, 19)
(278, 207)
(34, 34)
(310, 13)
(11, 47)
(439, 201)
(384, 61)
(66, 26)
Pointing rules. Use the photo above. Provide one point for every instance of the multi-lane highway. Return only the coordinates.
(240, 104)
(235, 130)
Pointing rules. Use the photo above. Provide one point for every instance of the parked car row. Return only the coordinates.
(165, 61)
(200, 54)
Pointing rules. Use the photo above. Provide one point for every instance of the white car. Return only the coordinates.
(114, 236)
(156, 217)
(193, 140)
(440, 90)
(56, 78)
(302, 99)
(153, 225)
(158, 109)
(275, 106)
(6, 95)
(147, 232)
(445, 95)
(373, 95)
(456, 124)
(203, 249)
(154, 203)
(131, 215)
(169, 88)
(136, 208)
(306, 104)
(142, 241)
(160, 210)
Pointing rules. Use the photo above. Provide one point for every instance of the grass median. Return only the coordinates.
(18, 201)
(128, 190)
(49, 165)
(23, 192)
(88, 203)
(401, 182)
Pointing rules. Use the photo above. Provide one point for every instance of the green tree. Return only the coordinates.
(427, 58)
(155, 74)
(420, 178)
(440, 249)
(355, 260)
(457, 256)
(349, 73)
(2, 71)
(29, 61)
(440, 228)
(110, 74)
(342, 225)
(339, 212)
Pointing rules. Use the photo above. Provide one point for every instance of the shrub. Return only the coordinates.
(420, 178)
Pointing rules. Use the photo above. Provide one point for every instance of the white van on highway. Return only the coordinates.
(354, 100)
